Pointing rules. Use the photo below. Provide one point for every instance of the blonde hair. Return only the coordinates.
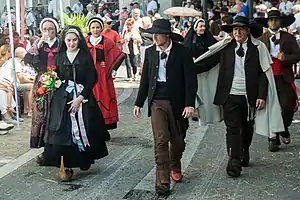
(146, 21)
(4, 49)
(20, 52)
(129, 21)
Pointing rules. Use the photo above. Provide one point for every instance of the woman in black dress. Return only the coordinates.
(75, 126)
(198, 39)
(41, 56)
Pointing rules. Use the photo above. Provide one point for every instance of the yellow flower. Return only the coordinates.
(47, 82)
(57, 83)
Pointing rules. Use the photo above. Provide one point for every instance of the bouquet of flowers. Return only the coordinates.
(47, 83)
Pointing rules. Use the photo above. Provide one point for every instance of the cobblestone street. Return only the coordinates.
(128, 171)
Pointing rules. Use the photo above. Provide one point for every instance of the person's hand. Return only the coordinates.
(281, 56)
(122, 41)
(137, 112)
(75, 104)
(44, 39)
(260, 104)
(188, 112)
(297, 106)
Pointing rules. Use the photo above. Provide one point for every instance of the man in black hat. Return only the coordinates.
(170, 84)
(242, 88)
(216, 25)
(285, 52)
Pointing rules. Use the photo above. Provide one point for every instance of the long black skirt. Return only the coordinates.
(59, 135)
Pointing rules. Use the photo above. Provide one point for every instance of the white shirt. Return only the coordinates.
(50, 7)
(7, 70)
(94, 41)
(151, 6)
(162, 70)
(77, 8)
(286, 7)
(51, 42)
(30, 19)
(274, 49)
(268, 4)
(239, 79)
(136, 26)
(296, 23)
(72, 55)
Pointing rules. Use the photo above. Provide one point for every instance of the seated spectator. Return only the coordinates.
(25, 79)
(17, 43)
(7, 103)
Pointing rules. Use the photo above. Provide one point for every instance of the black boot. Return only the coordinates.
(245, 158)
(274, 144)
(107, 137)
(234, 166)
(285, 136)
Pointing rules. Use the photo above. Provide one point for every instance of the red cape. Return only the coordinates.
(104, 90)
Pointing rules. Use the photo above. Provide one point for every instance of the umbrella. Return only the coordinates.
(182, 12)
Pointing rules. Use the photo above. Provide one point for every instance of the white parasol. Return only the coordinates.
(182, 12)
(11, 40)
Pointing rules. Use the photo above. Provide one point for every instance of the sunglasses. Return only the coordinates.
(109, 23)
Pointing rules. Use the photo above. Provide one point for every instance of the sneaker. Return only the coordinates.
(3, 132)
(5, 126)
(20, 119)
(11, 121)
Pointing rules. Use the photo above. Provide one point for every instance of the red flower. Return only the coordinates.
(41, 91)
(52, 68)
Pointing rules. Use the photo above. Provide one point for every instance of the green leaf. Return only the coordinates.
(79, 21)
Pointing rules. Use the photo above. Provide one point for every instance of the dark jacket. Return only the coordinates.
(256, 79)
(181, 78)
(288, 45)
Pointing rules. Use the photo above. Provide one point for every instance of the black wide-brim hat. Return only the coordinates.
(256, 29)
(286, 20)
(225, 10)
(163, 26)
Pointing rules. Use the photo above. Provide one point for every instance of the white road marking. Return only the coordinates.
(32, 153)
(192, 143)
(18, 162)
(5, 160)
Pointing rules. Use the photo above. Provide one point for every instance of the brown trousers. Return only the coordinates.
(169, 135)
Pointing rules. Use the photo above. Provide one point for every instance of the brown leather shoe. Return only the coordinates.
(66, 176)
(162, 185)
(40, 159)
(176, 176)
(163, 189)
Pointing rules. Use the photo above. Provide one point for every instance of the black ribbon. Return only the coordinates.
(163, 56)
(240, 52)
(274, 40)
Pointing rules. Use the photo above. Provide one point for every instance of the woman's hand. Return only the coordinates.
(75, 104)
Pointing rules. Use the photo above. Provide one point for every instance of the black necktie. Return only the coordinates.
(274, 40)
(240, 52)
(163, 56)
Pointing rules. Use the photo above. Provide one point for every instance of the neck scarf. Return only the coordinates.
(51, 52)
